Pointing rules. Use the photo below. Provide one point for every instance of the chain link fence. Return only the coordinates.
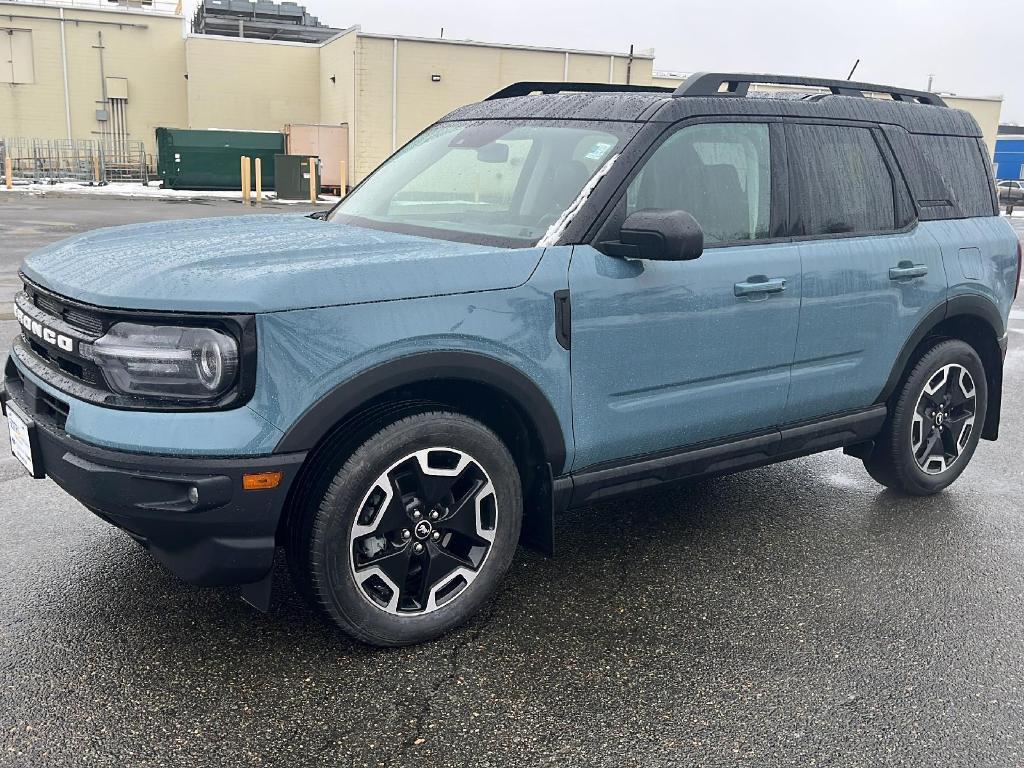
(53, 161)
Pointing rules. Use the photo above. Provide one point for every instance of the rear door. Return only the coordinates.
(667, 354)
(870, 273)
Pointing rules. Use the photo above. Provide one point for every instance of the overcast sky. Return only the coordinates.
(972, 48)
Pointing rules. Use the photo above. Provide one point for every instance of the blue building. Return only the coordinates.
(1009, 155)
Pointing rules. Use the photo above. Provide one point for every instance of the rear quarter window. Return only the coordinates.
(961, 163)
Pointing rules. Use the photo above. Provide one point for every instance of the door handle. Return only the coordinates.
(758, 284)
(908, 270)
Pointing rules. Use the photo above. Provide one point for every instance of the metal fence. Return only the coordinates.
(173, 7)
(52, 161)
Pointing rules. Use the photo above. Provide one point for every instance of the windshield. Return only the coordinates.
(490, 182)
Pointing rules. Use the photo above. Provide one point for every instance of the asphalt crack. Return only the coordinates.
(422, 704)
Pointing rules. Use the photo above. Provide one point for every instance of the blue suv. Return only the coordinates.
(560, 294)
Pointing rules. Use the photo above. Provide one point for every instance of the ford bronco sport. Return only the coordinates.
(565, 292)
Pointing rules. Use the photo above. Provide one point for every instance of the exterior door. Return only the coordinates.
(870, 274)
(670, 354)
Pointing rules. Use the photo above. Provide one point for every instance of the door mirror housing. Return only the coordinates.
(660, 235)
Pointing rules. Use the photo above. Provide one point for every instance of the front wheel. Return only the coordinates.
(414, 531)
(935, 425)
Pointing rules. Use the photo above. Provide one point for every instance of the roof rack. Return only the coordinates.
(526, 88)
(711, 84)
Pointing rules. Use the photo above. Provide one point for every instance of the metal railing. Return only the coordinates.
(165, 7)
(53, 161)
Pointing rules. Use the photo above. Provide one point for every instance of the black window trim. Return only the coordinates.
(888, 160)
(607, 222)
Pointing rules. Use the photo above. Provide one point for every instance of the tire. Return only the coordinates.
(414, 531)
(935, 423)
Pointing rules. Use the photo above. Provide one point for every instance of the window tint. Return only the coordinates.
(961, 164)
(718, 172)
(841, 183)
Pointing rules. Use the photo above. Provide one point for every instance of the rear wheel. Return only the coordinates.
(414, 531)
(935, 425)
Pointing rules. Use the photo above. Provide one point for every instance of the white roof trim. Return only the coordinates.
(251, 40)
(480, 44)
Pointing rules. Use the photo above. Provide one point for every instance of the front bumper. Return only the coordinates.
(227, 537)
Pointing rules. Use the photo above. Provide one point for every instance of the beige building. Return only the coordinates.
(117, 73)
(385, 88)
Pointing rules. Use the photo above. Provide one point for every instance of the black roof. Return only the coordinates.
(904, 108)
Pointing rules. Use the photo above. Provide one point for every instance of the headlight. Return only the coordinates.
(166, 361)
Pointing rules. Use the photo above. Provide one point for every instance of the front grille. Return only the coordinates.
(60, 316)
(80, 318)
(84, 320)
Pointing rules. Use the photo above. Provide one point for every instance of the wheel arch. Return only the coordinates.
(974, 320)
(495, 393)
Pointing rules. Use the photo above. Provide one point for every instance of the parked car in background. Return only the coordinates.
(563, 293)
(1010, 192)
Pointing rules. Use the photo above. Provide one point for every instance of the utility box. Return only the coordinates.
(188, 159)
(292, 175)
(327, 142)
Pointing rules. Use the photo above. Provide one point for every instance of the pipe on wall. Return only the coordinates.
(64, 65)
(394, 96)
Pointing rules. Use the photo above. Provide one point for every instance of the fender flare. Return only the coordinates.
(320, 418)
(963, 305)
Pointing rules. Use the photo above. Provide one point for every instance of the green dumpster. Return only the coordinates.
(292, 175)
(188, 159)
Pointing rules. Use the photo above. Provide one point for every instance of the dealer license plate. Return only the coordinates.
(21, 443)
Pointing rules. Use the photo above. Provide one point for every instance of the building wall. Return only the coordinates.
(145, 49)
(468, 72)
(261, 85)
(985, 111)
(251, 84)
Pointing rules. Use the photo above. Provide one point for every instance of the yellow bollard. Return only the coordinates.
(259, 181)
(9, 172)
(312, 180)
(343, 184)
(246, 183)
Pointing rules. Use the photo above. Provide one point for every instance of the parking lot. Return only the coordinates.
(792, 615)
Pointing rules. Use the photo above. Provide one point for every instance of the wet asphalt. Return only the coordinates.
(792, 615)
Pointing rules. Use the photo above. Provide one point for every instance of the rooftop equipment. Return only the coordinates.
(261, 20)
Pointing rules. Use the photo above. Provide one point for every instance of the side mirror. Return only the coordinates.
(661, 235)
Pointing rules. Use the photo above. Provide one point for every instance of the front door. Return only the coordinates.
(671, 354)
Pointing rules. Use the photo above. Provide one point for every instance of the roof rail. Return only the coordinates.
(528, 87)
(710, 84)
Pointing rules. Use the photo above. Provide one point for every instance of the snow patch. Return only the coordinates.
(123, 189)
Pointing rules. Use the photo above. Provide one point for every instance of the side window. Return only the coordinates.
(718, 172)
(961, 164)
(841, 183)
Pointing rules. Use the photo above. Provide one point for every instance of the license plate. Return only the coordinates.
(21, 441)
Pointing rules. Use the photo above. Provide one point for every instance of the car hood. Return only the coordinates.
(265, 264)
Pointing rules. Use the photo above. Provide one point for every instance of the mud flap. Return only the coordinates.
(257, 594)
